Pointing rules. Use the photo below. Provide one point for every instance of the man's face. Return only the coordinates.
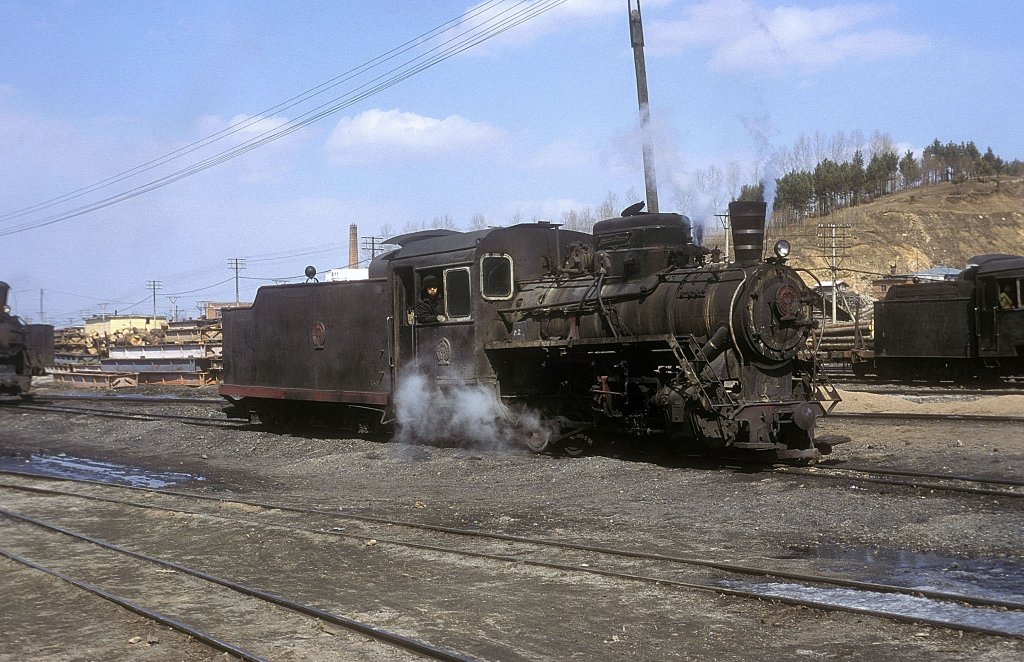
(432, 292)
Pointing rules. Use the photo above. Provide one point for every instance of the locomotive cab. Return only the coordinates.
(998, 309)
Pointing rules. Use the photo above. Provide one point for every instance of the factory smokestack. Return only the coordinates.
(353, 246)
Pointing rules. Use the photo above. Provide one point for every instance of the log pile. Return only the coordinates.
(184, 353)
(75, 340)
(845, 336)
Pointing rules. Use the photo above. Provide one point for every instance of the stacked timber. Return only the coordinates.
(74, 340)
(184, 353)
(846, 335)
(840, 341)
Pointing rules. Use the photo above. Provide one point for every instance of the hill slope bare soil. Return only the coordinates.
(915, 229)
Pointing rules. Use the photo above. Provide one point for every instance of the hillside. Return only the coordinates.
(917, 229)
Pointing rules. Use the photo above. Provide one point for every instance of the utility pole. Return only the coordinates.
(636, 38)
(154, 285)
(42, 317)
(174, 302)
(835, 240)
(373, 244)
(727, 226)
(236, 263)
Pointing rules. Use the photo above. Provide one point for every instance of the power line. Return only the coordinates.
(447, 49)
(208, 287)
(258, 117)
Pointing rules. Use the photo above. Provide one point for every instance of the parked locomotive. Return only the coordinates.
(628, 331)
(24, 349)
(968, 329)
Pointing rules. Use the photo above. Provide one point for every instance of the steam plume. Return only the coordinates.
(462, 414)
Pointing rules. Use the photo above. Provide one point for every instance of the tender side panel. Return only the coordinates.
(924, 326)
(40, 342)
(320, 342)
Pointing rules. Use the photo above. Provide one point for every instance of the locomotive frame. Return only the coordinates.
(624, 332)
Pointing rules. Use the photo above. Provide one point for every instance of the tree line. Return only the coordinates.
(822, 173)
(832, 184)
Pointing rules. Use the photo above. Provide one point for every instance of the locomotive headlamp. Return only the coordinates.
(7, 309)
(782, 248)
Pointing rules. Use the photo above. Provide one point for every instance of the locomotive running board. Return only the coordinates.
(567, 343)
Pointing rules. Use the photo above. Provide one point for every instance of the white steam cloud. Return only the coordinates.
(463, 414)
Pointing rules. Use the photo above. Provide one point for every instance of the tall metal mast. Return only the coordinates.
(636, 37)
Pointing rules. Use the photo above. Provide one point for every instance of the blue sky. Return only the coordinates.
(537, 120)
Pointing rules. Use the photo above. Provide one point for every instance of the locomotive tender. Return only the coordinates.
(951, 329)
(628, 332)
(24, 349)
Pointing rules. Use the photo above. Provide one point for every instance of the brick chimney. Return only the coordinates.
(353, 246)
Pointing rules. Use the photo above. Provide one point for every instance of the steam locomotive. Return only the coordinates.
(24, 349)
(963, 330)
(566, 337)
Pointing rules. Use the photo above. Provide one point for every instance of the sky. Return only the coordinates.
(152, 142)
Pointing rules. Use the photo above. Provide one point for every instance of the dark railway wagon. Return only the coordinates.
(567, 336)
(958, 330)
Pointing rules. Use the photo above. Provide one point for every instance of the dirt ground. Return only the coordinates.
(613, 497)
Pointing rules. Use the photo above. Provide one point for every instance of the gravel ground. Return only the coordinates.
(622, 499)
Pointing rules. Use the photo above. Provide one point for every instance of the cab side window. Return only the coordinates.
(456, 293)
(1008, 294)
(496, 277)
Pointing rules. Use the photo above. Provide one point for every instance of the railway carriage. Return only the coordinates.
(628, 332)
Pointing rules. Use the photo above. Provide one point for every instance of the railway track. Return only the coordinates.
(206, 589)
(902, 389)
(119, 413)
(933, 482)
(570, 559)
(845, 379)
(908, 416)
(48, 406)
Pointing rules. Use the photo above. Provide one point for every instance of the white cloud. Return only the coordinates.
(391, 136)
(743, 36)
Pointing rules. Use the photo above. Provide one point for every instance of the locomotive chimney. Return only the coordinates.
(353, 246)
(747, 220)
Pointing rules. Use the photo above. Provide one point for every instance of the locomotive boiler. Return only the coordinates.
(630, 332)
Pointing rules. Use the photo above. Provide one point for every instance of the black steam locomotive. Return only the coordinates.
(559, 337)
(24, 349)
(963, 330)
